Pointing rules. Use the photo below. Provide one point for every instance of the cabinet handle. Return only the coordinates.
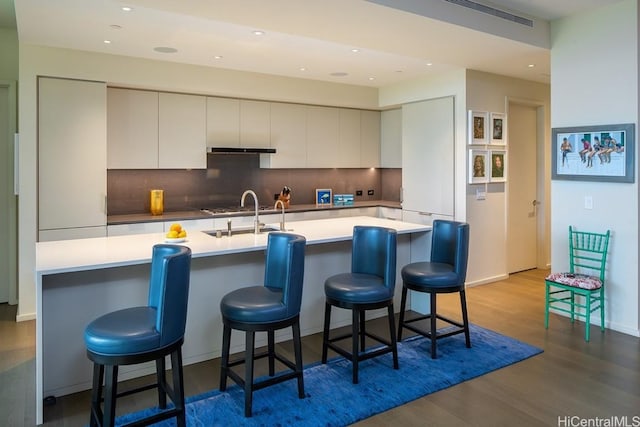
(425, 213)
(16, 164)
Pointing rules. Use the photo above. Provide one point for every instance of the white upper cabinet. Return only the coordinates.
(72, 154)
(255, 124)
(288, 136)
(347, 154)
(391, 139)
(428, 139)
(132, 129)
(182, 131)
(322, 137)
(369, 139)
(223, 122)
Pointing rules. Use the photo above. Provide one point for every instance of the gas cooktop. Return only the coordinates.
(233, 209)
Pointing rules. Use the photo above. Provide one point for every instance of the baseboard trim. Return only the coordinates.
(487, 280)
(595, 320)
(25, 317)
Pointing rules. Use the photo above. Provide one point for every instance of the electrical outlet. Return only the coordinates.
(358, 192)
(370, 192)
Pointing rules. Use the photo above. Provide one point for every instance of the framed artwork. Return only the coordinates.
(478, 166)
(478, 127)
(498, 123)
(603, 153)
(323, 196)
(498, 166)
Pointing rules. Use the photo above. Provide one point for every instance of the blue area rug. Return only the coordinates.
(331, 398)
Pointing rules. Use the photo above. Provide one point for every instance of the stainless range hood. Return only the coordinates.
(240, 150)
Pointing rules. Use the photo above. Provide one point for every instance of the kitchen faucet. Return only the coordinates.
(282, 228)
(256, 220)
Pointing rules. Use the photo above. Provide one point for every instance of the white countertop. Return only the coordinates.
(65, 256)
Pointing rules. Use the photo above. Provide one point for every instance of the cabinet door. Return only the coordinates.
(427, 156)
(322, 137)
(223, 122)
(288, 135)
(182, 131)
(369, 139)
(132, 129)
(255, 124)
(391, 138)
(348, 152)
(72, 153)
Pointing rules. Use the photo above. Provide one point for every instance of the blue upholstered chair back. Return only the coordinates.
(284, 268)
(450, 245)
(374, 252)
(169, 290)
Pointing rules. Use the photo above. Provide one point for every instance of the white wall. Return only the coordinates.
(594, 80)
(143, 73)
(487, 218)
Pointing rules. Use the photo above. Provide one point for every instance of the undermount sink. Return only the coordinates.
(237, 231)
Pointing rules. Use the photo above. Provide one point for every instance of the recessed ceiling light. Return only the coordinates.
(126, 8)
(399, 71)
(339, 74)
(258, 33)
(302, 69)
(115, 27)
(372, 78)
(355, 50)
(531, 65)
(429, 64)
(217, 57)
(165, 49)
(107, 42)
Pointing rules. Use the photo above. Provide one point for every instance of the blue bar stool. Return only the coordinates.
(445, 273)
(142, 334)
(276, 305)
(370, 285)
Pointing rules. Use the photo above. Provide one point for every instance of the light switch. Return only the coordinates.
(588, 202)
(480, 194)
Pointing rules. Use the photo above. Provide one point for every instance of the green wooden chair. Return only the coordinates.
(587, 262)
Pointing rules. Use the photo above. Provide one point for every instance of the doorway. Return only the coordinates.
(522, 202)
(8, 206)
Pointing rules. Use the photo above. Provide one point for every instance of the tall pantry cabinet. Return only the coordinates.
(72, 158)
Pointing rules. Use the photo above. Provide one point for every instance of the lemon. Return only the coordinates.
(175, 227)
(172, 234)
(182, 233)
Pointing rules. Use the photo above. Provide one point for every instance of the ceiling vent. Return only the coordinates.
(492, 11)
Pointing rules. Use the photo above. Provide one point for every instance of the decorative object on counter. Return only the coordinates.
(498, 129)
(176, 234)
(498, 166)
(479, 167)
(478, 128)
(285, 196)
(343, 199)
(323, 196)
(142, 334)
(156, 202)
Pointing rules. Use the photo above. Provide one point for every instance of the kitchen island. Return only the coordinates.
(79, 280)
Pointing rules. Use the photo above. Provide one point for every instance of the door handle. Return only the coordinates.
(536, 203)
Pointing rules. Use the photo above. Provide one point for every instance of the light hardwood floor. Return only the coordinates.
(600, 379)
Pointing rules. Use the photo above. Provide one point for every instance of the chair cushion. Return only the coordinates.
(582, 281)
(123, 332)
(431, 275)
(254, 304)
(357, 288)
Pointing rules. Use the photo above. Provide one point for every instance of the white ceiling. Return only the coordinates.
(315, 35)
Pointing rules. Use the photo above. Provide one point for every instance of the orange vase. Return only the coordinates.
(157, 202)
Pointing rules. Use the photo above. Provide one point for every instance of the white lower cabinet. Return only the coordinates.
(390, 213)
(191, 225)
(71, 233)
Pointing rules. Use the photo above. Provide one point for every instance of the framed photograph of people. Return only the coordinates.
(478, 127)
(602, 153)
(498, 129)
(323, 196)
(478, 166)
(498, 166)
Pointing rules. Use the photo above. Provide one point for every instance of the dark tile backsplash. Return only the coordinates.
(227, 176)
